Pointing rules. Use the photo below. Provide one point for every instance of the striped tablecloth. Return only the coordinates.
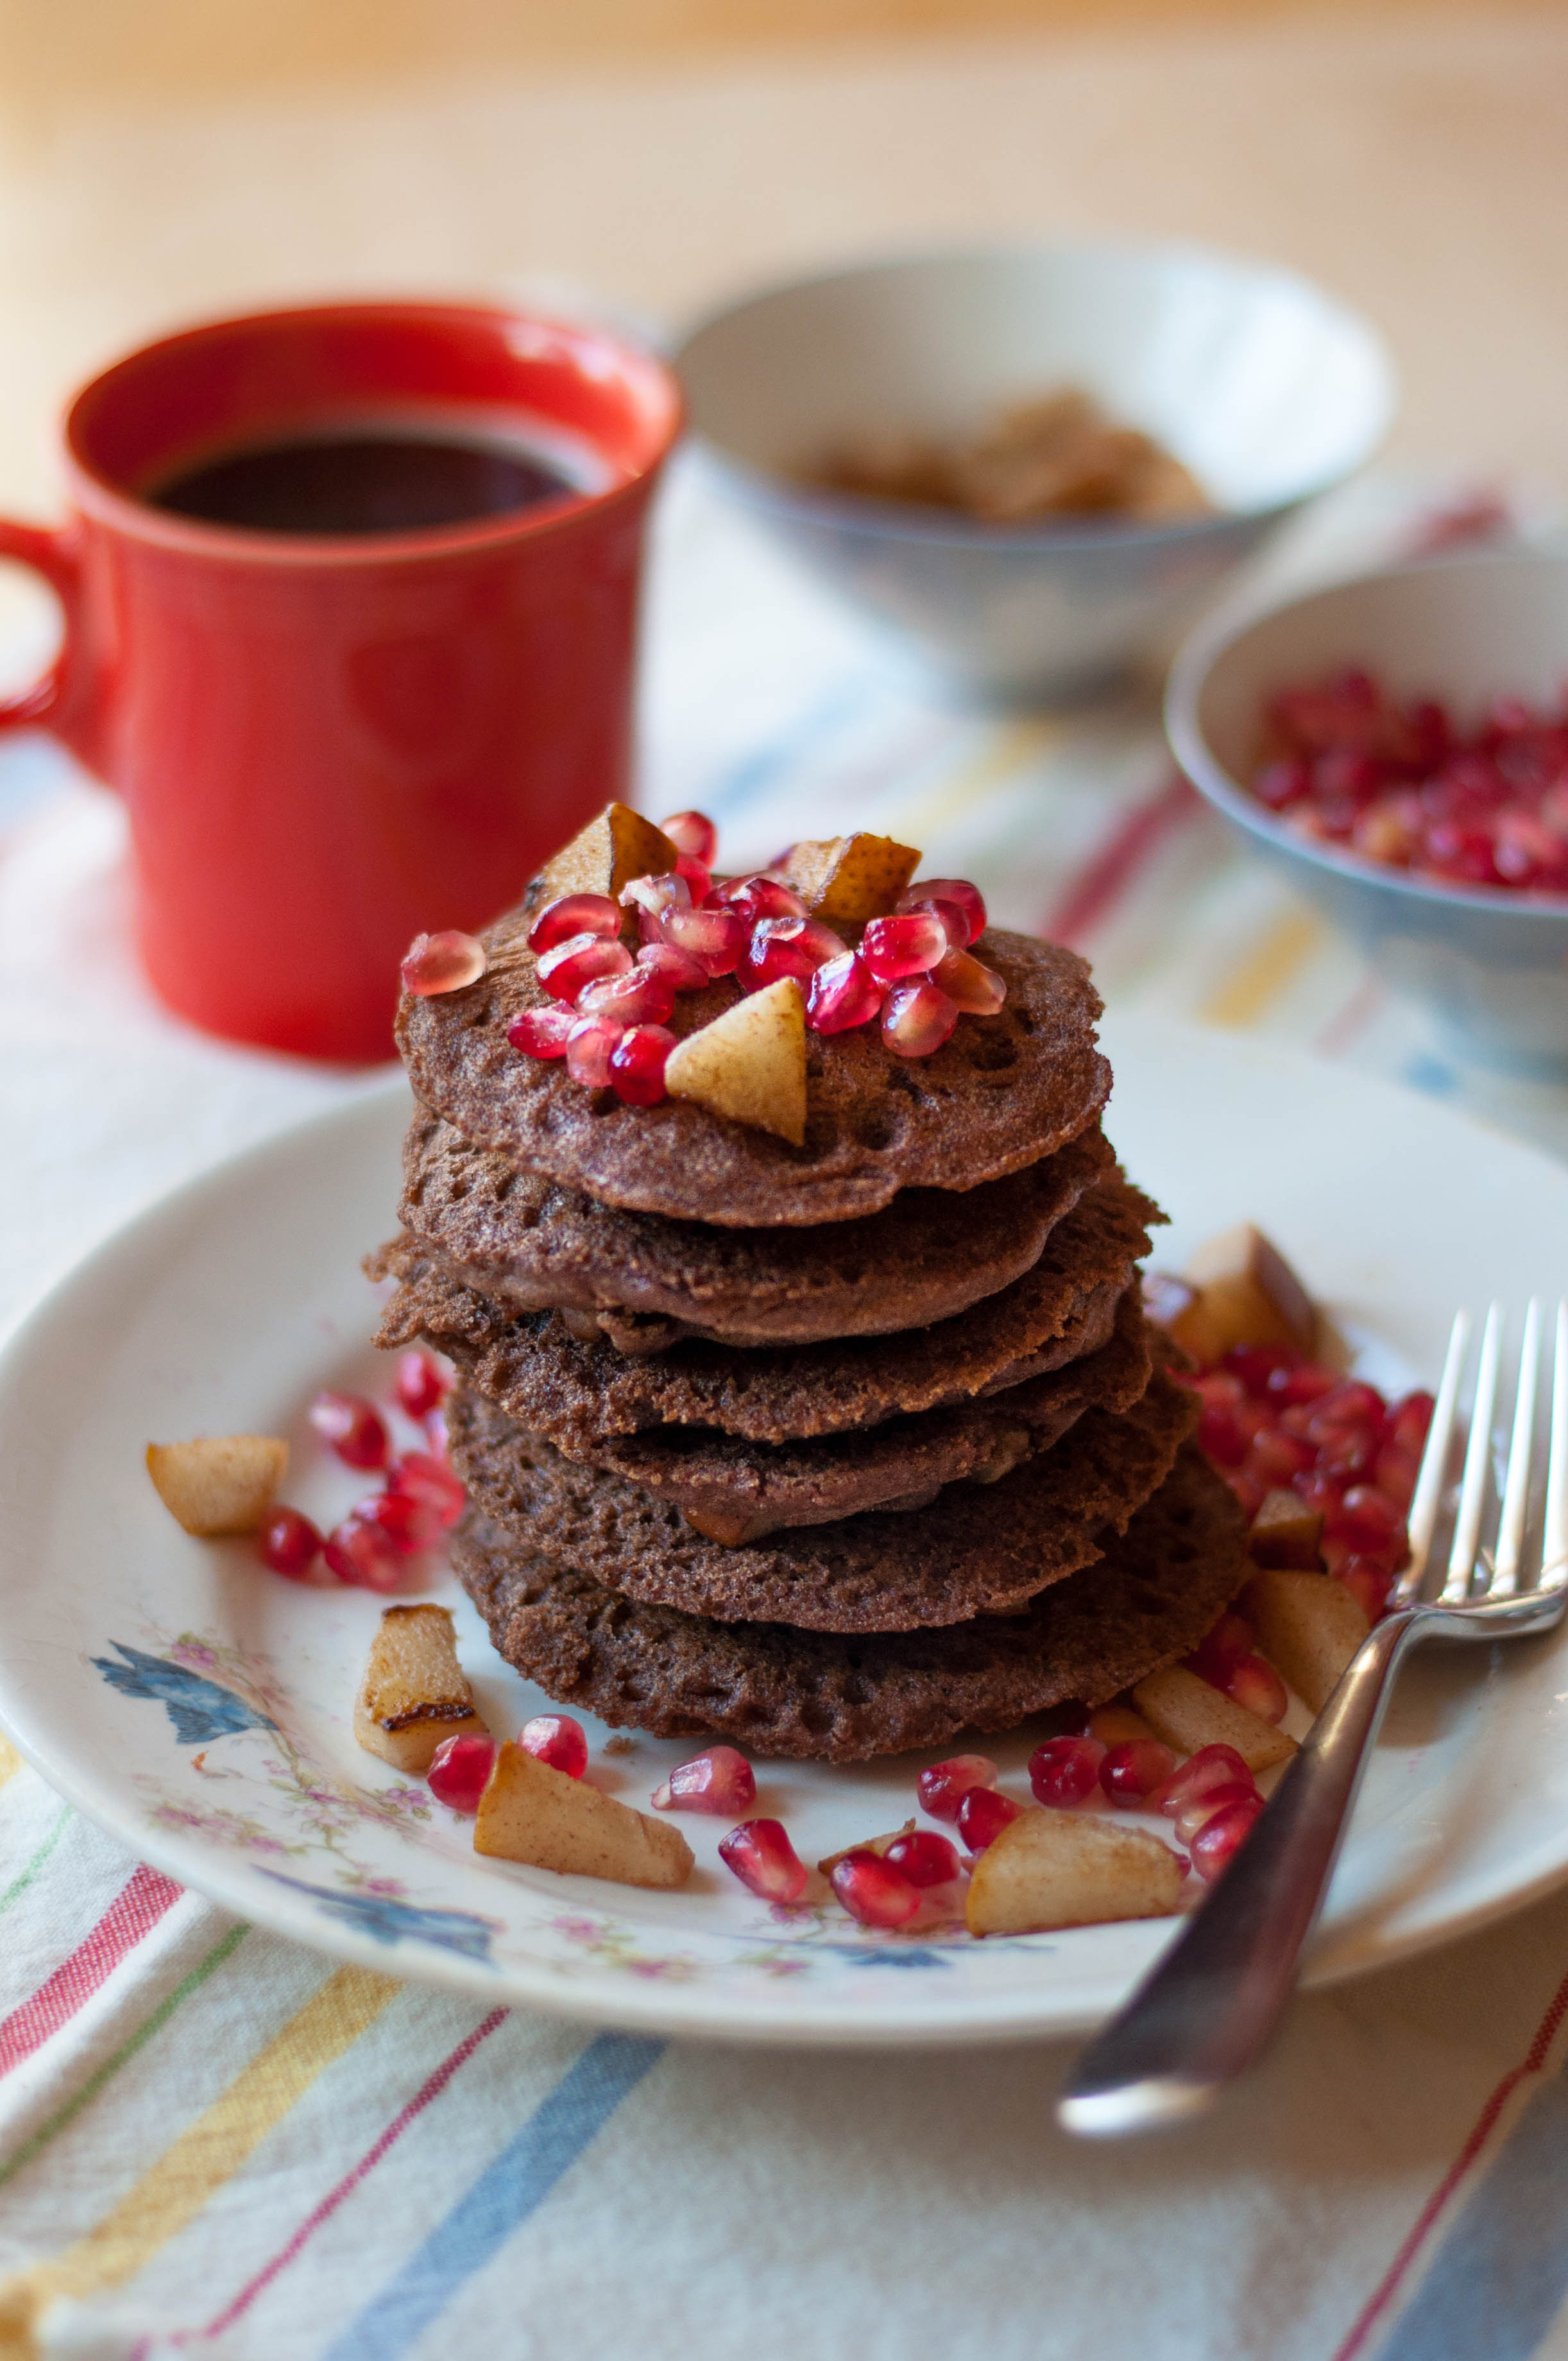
(213, 2142)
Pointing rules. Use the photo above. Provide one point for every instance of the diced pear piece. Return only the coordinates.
(1247, 1294)
(1188, 1713)
(219, 1483)
(606, 855)
(1309, 1626)
(1117, 1725)
(414, 1692)
(877, 1845)
(846, 879)
(531, 1813)
(1057, 1869)
(1285, 1532)
(750, 1063)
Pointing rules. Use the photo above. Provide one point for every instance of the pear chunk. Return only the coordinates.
(606, 855)
(1188, 1713)
(219, 1483)
(1055, 1869)
(531, 1813)
(1310, 1626)
(414, 1692)
(1247, 1294)
(1286, 1531)
(750, 1063)
(846, 879)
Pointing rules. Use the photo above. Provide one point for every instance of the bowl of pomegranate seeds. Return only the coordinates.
(1398, 746)
(1029, 462)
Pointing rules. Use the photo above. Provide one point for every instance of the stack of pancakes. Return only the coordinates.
(829, 1451)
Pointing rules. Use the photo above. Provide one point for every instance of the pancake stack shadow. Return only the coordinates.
(810, 1449)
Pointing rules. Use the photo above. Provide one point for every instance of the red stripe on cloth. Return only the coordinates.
(1097, 888)
(135, 1912)
(1481, 2132)
(351, 2180)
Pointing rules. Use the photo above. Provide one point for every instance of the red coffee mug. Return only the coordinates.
(328, 744)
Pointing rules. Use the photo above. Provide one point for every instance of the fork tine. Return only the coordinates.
(1516, 1484)
(1427, 1500)
(1477, 1463)
(1554, 1537)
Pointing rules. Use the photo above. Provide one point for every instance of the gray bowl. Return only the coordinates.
(1491, 964)
(1269, 391)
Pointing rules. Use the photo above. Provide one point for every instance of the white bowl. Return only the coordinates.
(1268, 390)
(1493, 964)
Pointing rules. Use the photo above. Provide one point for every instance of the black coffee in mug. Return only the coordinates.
(360, 481)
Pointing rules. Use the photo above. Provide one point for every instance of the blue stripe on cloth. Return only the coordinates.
(768, 764)
(502, 2198)
(1502, 2271)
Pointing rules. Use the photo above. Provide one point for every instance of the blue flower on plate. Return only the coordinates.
(890, 1955)
(198, 1708)
(388, 1921)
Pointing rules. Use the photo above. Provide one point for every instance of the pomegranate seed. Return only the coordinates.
(1217, 1840)
(1064, 1771)
(1349, 1453)
(558, 1739)
(638, 996)
(943, 1787)
(1211, 1766)
(1255, 1364)
(289, 1543)
(951, 915)
(637, 1064)
(908, 945)
(1278, 1459)
(1198, 1810)
(1367, 1583)
(761, 1856)
(787, 947)
(1250, 1491)
(591, 1045)
(843, 993)
(972, 987)
(693, 833)
(983, 1816)
(1254, 1684)
(696, 877)
(574, 914)
(361, 1553)
(1133, 1771)
(1368, 1519)
(678, 969)
(718, 1780)
(543, 1032)
(925, 1859)
(1303, 1383)
(408, 1523)
(564, 971)
(653, 897)
(714, 938)
(1221, 1436)
(1222, 1648)
(442, 962)
(420, 1384)
(352, 1427)
(957, 890)
(758, 896)
(1350, 1404)
(420, 1475)
(1410, 1420)
(873, 1891)
(916, 1019)
(460, 1770)
(1395, 1474)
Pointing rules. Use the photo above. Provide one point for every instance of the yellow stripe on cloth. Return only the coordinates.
(188, 2174)
(1264, 973)
(10, 1761)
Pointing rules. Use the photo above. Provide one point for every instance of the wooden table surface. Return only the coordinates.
(1417, 165)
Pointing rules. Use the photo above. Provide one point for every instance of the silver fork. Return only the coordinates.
(1205, 2012)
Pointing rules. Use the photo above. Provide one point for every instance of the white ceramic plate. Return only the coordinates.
(197, 1707)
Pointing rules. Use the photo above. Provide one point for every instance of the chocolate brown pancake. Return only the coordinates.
(531, 1243)
(977, 1550)
(1000, 1093)
(732, 1491)
(580, 1394)
(777, 1691)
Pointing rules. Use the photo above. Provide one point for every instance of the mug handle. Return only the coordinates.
(56, 555)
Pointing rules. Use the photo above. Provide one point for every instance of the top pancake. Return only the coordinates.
(531, 1243)
(1003, 1091)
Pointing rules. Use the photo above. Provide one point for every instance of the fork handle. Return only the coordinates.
(1207, 2010)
